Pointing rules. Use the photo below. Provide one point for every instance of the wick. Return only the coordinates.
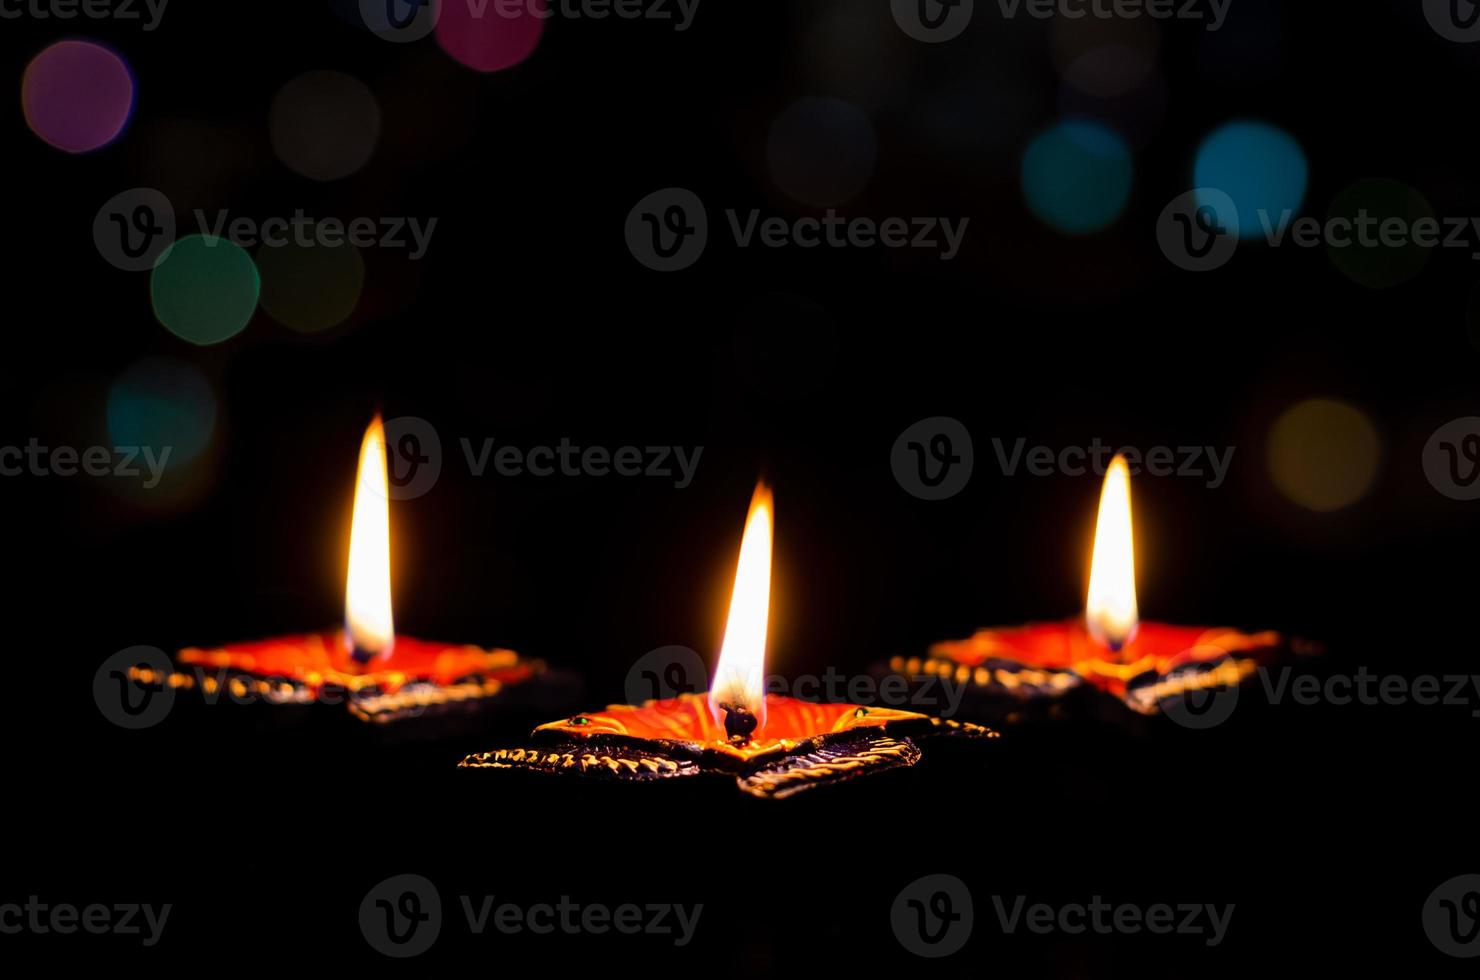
(362, 656)
(740, 722)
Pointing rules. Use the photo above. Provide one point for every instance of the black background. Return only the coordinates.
(529, 321)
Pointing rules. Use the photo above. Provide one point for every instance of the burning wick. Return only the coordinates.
(1110, 610)
(737, 699)
(369, 629)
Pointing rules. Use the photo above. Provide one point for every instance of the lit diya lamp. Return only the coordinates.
(379, 675)
(772, 746)
(1108, 649)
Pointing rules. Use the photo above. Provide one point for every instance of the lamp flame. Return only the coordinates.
(1110, 609)
(739, 677)
(369, 630)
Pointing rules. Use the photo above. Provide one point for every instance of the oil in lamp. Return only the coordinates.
(379, 675)
(772, 746)
(1108, 650)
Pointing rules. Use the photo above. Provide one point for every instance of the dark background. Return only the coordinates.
(529, 321)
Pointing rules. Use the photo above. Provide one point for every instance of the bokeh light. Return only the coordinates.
(324, 125)
(159, 402)
(1323, 454)
(204, 289)
(310, 287)
(77, 95)
(490, 38)
(1366, 259)
(821, 151)
(1260, 167)
(1077, 176)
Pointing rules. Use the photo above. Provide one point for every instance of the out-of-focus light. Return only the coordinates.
(324, 125)
(491, 37)
(821, 151)
(1323, 454)
(77, 95)
(1260, 167)
(204, 289)
(311, 287)
(1366, 253)
(162, 402)
(1077, 177)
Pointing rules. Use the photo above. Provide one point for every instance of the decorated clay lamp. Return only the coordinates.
(1107, 651)
(379, 675)
(771, 746)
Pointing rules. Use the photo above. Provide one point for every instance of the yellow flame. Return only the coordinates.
(739, 677)
(1110, 610)
(369, 630)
